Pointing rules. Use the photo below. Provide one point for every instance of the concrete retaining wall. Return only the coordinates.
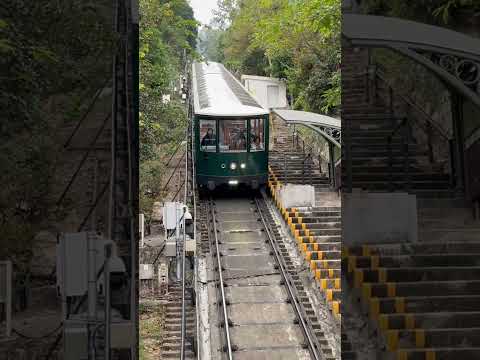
(292, 195)
(378, 217)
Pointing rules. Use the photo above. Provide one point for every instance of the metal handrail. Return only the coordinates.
(307, 160)
(173, 173)
(380, 75)
(407, 123)
(174, 153)
(405, 140)
(307, 148)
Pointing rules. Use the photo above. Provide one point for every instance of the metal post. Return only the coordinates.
(406, 164)
(92, 293)
(390, 98)
(112, 198)
(106, 284)
(303, 170)
(177, 241)
(8, 298)
(285, 167)
(182, 349)
(451, 144)
(430, 145)
(331, 151)
(94, 194)
(348, 151)
(390, 162)
(310, 164)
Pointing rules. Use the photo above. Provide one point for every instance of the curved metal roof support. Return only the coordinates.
(454, 81)
(452, 56)
(332, 135)
(327, 127)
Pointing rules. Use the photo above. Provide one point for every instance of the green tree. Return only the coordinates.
(53, 57)
(168, 35)
(297, 40)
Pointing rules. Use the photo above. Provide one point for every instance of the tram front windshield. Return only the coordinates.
(233, 135)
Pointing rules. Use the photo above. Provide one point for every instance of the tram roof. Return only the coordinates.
(217, 92)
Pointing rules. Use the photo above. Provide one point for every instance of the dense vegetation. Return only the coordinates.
(168, 35)
(441, 12)
(53, 57)
(295, 40)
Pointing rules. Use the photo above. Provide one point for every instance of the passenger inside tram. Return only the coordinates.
(233, 136)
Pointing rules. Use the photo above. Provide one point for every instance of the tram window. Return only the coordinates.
(233, 135)
(257, 139)
(208, 136)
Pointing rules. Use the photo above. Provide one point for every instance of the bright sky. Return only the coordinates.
(203, 9)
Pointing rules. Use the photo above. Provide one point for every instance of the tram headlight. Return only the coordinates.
(243, 166)
(233, 166)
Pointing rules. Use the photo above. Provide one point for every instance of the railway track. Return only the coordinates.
(262, 307)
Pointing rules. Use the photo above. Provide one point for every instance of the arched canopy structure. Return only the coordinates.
(453, 56)
(329, 127)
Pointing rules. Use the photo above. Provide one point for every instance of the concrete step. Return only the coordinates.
(433, 338)
(410, 274)
(415, 175)
(421, 288)
(322, 255)
(443, 353)
(423, 304)
(414, 248)
(336, 246)
(430, 320)
(317, 226)
(423, 260)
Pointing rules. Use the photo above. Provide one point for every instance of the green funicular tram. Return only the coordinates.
(230, 130)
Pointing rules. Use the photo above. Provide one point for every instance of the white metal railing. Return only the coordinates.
(6, 293)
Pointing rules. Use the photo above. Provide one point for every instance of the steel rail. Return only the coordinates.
(286, 278)
(222, 287)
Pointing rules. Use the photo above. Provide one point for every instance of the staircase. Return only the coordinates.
(368, 122)
(171, 345)
(422, 299)
(290, 165)
(316, 230)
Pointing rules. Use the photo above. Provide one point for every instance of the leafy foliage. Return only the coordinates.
(53, 57)
(438, 12)
(168, 33)
(295, 40)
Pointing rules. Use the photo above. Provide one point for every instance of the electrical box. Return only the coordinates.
(75, 337)
(172, 213)
(75, 340)
(122, 334)
(171, 246)
(73, 261)
(146, 271)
